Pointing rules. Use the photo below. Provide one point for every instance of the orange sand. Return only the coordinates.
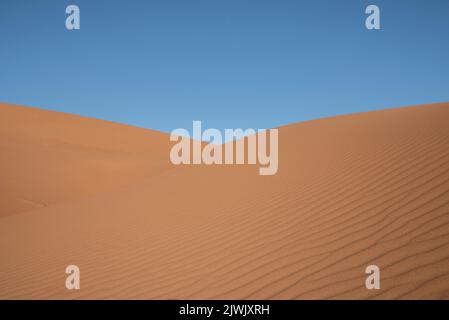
(368, 188)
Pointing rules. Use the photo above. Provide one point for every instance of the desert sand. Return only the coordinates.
(353, 190)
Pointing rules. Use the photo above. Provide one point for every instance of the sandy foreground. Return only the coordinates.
(355, 190)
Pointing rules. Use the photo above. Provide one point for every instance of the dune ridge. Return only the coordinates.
(353, 190)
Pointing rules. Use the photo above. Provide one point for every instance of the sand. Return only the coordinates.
(354, 190)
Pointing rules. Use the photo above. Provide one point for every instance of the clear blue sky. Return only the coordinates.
(230, 63)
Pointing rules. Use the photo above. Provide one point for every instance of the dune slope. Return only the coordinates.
(50, 157)
(355, 190)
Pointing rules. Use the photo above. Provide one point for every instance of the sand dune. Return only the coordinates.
(355, 190)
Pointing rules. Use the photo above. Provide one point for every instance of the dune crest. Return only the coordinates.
(350, 191)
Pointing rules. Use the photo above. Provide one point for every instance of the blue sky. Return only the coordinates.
(229, 63)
